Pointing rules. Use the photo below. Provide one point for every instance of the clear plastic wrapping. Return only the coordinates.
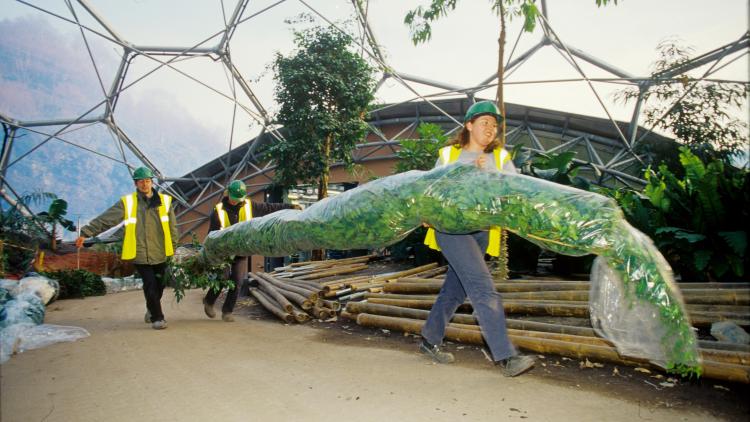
(18, 338)
(21, 313)
(123, 284)
(460, 199)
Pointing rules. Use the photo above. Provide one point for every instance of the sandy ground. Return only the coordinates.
(261, 370)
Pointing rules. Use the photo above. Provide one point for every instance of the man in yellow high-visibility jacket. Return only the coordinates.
(150, 236)
(235, 207)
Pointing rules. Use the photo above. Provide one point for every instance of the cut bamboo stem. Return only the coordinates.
(272, 292)
(711, 369)
(271, 306)
(281, 284)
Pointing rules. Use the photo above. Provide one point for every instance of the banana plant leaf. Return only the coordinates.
(460, 199)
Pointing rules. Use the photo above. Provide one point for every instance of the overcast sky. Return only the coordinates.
(160, 111)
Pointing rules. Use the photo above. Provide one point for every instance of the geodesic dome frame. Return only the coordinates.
(623, 137)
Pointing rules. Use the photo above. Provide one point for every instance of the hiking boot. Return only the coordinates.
(159, 325)
(147, 317)
(435, 353)
(227, 317)
(209, 309)
(516, 365)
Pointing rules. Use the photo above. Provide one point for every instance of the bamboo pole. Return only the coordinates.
(297, 298)
(300, 316)
(311, 285)
(283, 285)
(388, 310)
(271, 291)
(330, 271)
(334, 305)
(344, 281)
(511, 307)
(399, 296)
(697, 296)
(431, 286)
(336, 271)
(321, 313)
(431, 273)
(400, 274)
(271, 306)
(711, 369)
(328, 262)
(717, 296)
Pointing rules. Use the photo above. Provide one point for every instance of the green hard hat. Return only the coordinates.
(143, 173)
(482, 108)
(237, 190)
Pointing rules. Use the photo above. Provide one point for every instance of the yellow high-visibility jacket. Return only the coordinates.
(449, 155)
(130, 205)
(245, 214)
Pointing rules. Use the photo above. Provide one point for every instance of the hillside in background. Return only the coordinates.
(58, 81)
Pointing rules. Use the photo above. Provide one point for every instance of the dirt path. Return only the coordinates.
(261, 370)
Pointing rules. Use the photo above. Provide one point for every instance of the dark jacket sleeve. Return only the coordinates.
(264, 208)
(213, 221)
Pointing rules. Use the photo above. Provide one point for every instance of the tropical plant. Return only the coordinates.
(555, 167)
(421, 153)
(698, 112)
(323, 91)
(698, 220)
(55, 215)
(21, 232)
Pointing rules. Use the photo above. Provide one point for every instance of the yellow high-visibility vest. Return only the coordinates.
(130, 203)
(450, 154)
(245, 214)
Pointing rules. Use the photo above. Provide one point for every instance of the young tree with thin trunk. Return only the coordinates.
(323, 91)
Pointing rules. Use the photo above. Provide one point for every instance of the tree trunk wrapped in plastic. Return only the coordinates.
(461, 199)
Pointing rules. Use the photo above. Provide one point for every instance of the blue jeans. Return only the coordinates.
(468, 275)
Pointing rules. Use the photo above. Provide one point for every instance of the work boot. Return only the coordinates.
(209, 309)
(227, 317)
(516, 365)
(159, 325)
(434, 352)
(147, 317)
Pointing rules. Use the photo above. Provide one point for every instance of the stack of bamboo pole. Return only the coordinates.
(706, 302)
(321, 269)
(355, 287)
(292, 300)
(404, 305)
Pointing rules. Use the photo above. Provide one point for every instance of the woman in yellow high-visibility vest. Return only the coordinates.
(477, 144)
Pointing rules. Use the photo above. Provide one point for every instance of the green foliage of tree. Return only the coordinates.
(699, 220)
(323, 90)
(421, 153)
(698, 113)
